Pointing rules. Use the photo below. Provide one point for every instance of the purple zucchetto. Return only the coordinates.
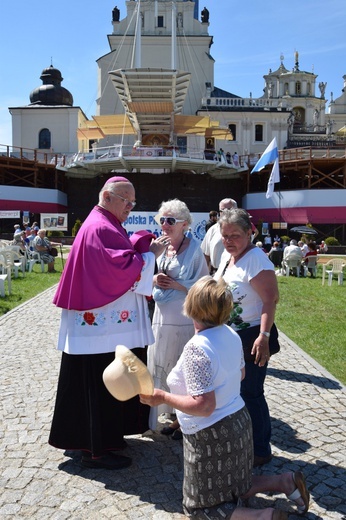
(117, 179)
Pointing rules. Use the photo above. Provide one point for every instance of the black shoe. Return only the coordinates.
(106, 462)
(260, 461)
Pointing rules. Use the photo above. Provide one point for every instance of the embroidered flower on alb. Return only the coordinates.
(124, 316)
(90, 318)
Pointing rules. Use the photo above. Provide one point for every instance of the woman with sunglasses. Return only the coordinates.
(180, 265)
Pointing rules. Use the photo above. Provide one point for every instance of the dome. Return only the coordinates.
(51, 92)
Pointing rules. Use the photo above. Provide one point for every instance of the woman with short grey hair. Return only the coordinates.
(180, 265)
(251, 277)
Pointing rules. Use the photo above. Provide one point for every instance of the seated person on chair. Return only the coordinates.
(291, 252)
(275, 254)
(322, 248)
(312, 252)
(43, 246)
(18, 240)
(304, 247)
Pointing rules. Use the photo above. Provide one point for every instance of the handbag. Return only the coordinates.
(53, 251)
(249, 335)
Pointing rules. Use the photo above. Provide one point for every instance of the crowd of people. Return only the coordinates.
(31, 240)
(207, 349)
(296, 254)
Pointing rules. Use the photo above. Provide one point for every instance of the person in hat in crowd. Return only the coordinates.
(180, 265)
(17, 229)
(251, 277)
(216, 425)
(102, 293)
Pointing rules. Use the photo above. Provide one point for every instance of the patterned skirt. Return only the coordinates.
(218, 464)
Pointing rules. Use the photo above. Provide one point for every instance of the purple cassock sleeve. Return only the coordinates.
(102, 264)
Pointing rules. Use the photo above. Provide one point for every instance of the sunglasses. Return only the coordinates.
(171, 221)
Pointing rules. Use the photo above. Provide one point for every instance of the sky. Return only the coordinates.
(249, 38)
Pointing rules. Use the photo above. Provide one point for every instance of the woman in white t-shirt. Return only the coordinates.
(216, 426)
(250, 276)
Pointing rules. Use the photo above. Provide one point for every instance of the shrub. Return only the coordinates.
(76, 227)
(332, 241)
(55, 233)
(285, 238)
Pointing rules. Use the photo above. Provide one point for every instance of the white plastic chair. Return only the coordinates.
(337, 265)
(32, 258)
(292, 263)
(310, 264)
(5, 275)
(15, 260)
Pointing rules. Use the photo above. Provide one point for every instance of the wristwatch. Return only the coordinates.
(267, 334)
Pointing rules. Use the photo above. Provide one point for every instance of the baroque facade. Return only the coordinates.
(174, 37)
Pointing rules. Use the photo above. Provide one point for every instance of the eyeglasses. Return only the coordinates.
(171, 221)
(127, 201)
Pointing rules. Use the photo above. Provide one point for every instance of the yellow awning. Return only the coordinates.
(100, 126)
(341, 131)
(90, 133)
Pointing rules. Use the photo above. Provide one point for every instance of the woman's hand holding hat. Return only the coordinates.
(127, 375)
(155, 399)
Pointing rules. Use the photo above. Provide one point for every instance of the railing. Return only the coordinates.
(246, 102)
(146, 152)
(16, 152)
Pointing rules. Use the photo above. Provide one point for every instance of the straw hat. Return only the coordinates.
(127, 376)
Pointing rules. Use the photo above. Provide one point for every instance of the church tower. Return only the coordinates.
(49, 123)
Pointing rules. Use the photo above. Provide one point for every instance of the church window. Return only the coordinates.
(44, 139)
(258, 132)
(233, 130)
(298, 88)
(182, 143)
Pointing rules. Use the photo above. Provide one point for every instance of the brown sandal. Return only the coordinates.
(301, 491)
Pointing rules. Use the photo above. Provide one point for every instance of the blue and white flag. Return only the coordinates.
(269, 155)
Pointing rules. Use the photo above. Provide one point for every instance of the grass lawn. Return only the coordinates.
(312, 315)
(24, 288)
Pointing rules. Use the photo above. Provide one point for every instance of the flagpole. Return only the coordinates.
(280, 218)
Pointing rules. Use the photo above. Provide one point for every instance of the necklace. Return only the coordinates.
(163, 267)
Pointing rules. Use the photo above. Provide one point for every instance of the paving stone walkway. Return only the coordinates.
(39, 482)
